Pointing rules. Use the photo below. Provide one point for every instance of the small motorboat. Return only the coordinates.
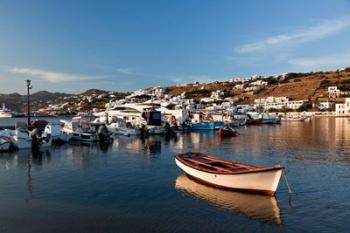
(230, 175)
(79, 129)
(227, 132)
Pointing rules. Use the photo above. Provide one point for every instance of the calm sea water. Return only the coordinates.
(135, 186)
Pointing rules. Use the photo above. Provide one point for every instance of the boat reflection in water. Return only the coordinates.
(260, 207)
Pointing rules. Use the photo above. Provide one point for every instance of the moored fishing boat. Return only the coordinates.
(253, 119)
(206, 125)
(201, 121)
(230, 175)
(268, 118)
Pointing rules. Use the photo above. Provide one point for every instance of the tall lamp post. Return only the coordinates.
(29, 86)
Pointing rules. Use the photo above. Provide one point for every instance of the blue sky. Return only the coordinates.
(71, 46)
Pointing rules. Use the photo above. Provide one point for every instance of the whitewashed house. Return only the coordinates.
(217, 95)
(343, 109)
(325, 105)
(259, 83)
(278, 103)
(333, 92)
(295, 104)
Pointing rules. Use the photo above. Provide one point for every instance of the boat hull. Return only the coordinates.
(254, 121)
(83, 137)
(301, 119)
(225, 133)
(207, 126)
(5, 115)
(124, 131)
(4, 145)
(64, 137)
(21, 143)
(156, 130)
(271, 121)
(264, 182)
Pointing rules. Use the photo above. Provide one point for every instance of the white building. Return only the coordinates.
(295, 104)
(333, 92)
(278, 103)
(343, 109)
(259, 83)
(325, 105)
(253, 88)
(216, 95)
(238, 86)
(158, 92)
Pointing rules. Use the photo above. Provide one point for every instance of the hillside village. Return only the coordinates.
(317, 91)
(290, 91)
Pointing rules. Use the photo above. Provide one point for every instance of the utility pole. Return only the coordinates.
(29, 86)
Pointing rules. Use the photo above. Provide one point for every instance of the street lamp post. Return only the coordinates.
(29, 86)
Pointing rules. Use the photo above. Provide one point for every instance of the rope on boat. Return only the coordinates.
(288, 186)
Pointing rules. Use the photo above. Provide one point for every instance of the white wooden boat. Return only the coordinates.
(230, 175)
(259, 207)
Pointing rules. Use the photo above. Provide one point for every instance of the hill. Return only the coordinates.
(310, 86)
(18, 102)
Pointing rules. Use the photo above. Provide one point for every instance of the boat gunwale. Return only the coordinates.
(258, 168)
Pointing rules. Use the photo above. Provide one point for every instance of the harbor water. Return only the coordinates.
(135, 186)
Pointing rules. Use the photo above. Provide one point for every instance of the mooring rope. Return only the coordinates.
(288, 186)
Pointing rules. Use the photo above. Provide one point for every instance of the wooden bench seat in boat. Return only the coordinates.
(215, 167)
